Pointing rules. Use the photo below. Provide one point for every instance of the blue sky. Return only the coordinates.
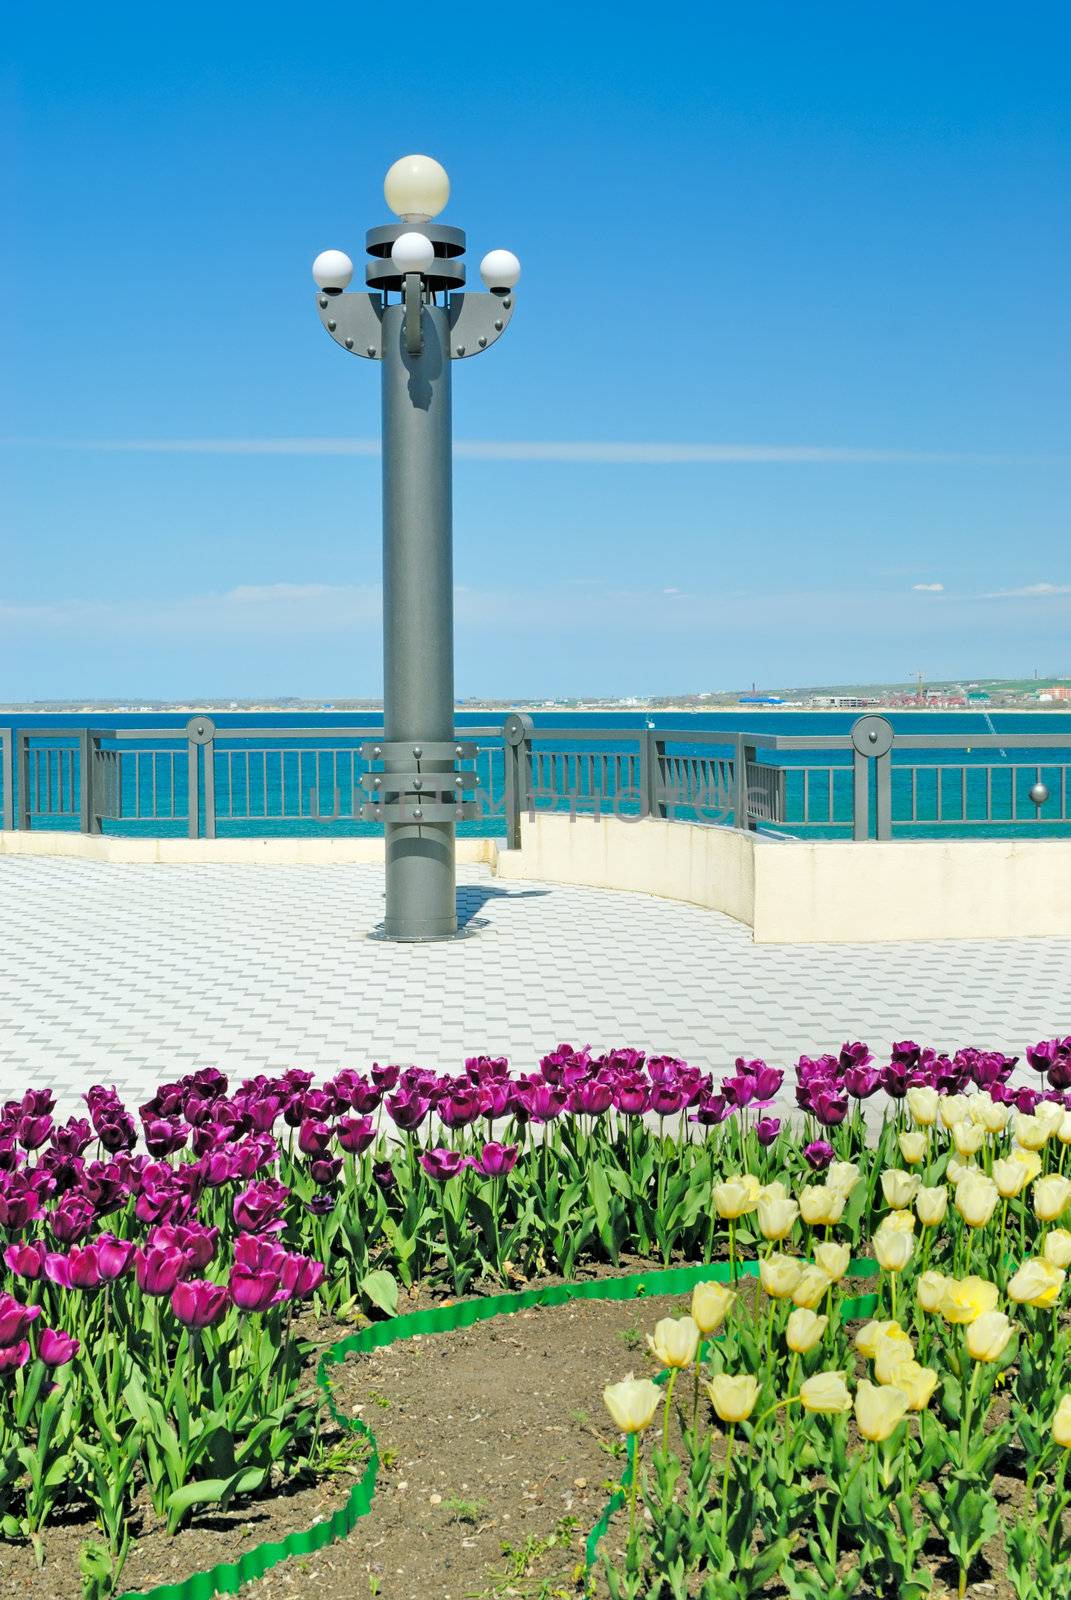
(791, 345)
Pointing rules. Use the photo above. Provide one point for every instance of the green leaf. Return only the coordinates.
(382, 1289)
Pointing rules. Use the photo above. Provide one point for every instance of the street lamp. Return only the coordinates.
(418, 791)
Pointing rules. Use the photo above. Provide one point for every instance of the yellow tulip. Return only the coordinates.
(957, 1170)
(1050, 1113)
(889, 1354)
(1010, 1177)
(1031, 1133)
(812, 1285)
(913, 1147)
(711, 1303)
(779, 1275)
(733, 1398)
(1037, 1283)
(1057, 1247)
(632, 1403)
(966, 1299)
(953, 1108)
(968, 1138)
(929, 1291)
(675, 1341)
(931, 1205)
(869, 1335)
(989, 1113)
(777, 1217)
(1028, 1159)
(898, 1221)
(821, 1206)
(826, 1392)
(1061, 1422)
(735, 1197)
(976, 1200)
(878, 1410)
(833, 1259)
(1051, 1196)
(893, 1249)
(988, 1336)
(842, 1177)
(774, 1191)
(916, 1382)
(899, 1188)
(922, 1102)
(1063, 1128)
(804, 1330)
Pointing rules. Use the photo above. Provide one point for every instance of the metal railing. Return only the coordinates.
(863, 783)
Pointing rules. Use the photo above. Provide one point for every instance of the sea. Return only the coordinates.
(275, 795)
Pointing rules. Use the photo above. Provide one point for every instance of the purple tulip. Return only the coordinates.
(461, 1107)
(854, 1055)
(828, 1106)
(384, 1175)
(55, 1348)
(158, 1268)
(314, 1138)
(32, 1131)
(113, 1256)
(632, 1096)
(165, 1135)
(767, 1129)
(198, 1303)
(104, 1186)
(497, 1159)
(301, 1276)
(407, 1110)
(385, 1077)
(259, 1208)
(711, 1110)
(442, 1164)
(906, 1053)
(819, 1154)
(72, 1218)
(25, 1260)
(194, 1242)
(15, 1319)
(862, 1082)
(14, 1356)
(592, 1098)
(255, 1275)
(355, 1134)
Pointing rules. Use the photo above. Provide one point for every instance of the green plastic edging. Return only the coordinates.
(227, 1577)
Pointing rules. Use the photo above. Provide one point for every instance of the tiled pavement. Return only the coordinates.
(132, 974)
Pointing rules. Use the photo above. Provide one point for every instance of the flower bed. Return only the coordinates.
(149, 1296)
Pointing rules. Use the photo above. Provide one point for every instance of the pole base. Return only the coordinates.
(468, 930)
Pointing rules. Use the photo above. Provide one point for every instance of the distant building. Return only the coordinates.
(1059, 691)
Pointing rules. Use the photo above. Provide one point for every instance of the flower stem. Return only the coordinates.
(725, 1482)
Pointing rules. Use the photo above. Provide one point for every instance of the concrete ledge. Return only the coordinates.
(232, 852)
(814, 892)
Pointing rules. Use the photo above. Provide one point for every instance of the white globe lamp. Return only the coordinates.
(416, 188)
(332, 270)
(412, 252)
(500, 269)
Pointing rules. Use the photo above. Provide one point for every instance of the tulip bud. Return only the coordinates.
(893, 1249)
(989, 1113)
(833, 1259)
(812, 1286)
(1061, 1423)
(825, 1392)
(632, 1403)
(931, 1205)
(922, 1102)
(776, 1216)
(733, 1398)
(804, 1330)
(675, 1341)
(988, 1335)
(1057, 1247)
(953, 1108)
(711, 1303)
(1010, 1177)
(871, 1333)
(1063, 1128)
(1037, 1283)
(779, 1275)
(1050, 1113)
(916, 1382)
(929, 1291)
(913, 1147)
(735, 1197)
(968, 1138)
(899, 1188)
(878, 1411)
(1031, 1133)
(891, 1350)
(1051, 1196)
(842, 1177)
(821, 1206)
(976, 1200)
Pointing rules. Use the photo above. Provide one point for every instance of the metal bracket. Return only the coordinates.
(414, 338)
(354, 321)
(418, 750)
(476, 321)
(200, 730)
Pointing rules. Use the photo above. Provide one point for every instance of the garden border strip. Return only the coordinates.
(226, 1578)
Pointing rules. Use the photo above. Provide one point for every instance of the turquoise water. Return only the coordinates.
(276, 784)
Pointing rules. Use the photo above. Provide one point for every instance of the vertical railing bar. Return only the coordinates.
(963, 791)
(989, 794)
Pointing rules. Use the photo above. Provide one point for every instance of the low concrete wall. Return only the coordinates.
(235, 852)
(809, 892)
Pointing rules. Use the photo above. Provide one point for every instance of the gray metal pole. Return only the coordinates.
(418, 612)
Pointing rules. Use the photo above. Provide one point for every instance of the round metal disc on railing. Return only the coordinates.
(1039, 793)
(199, 730)
(517, 728)
(872, 735)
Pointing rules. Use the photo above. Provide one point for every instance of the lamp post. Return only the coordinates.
(418, 791)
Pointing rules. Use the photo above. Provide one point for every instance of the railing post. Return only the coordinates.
(872, 740)
(88, 808)
(517, 733)
(7, 777)
(745, 754)
(22, 777)
(201, 731)
(652, 755)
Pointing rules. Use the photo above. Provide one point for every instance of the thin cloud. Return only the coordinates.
(1029, 591)
(928, 588)
(582, 452)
